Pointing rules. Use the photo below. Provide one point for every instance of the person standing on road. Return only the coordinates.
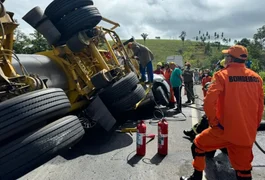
(159, 69)
(207, 78)
(168, 72)
(145, 57)
(176, 80)
(188, 82)
(234, 103)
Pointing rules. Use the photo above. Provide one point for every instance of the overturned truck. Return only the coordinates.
(48, 100)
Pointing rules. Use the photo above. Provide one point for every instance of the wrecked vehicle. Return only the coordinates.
(48, 100)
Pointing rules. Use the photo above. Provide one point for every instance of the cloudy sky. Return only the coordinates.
(167, 18)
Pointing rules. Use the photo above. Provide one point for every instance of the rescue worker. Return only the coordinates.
(176, 80)
(159, 69)
(207, 78)
(234, 106)
(145, 57)
(203, 123)
(167, 74)
(188, 82)
(201, 126)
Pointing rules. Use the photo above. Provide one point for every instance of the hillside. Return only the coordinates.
(191, 51)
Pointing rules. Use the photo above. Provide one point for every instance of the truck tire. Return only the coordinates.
(101, 79)
(29, 151)
(78, 20)
(119, 89)
(22, 112)
(129, 101)
(34, 16)
(58, 8)
(160, 96)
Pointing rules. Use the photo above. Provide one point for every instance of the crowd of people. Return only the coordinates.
(177, 77)
(233, 105)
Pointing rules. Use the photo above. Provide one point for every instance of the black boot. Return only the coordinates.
(188, 102)
(245, 173)
(190, 133)
(197, 175)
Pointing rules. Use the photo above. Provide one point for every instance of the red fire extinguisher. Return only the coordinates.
(141, 139)
(162, 137)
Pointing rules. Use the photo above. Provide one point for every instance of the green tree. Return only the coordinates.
(39, 43)
(31, 44)
(183, 37)
(21, 42)
(144, 36)
(260, 35)
(244, 42)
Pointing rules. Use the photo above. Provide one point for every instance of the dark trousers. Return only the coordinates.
(149, 69)
(189, 90)
(201, 125)
(177, 94)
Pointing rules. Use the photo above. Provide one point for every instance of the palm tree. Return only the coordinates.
(183, 36)
(144, 35)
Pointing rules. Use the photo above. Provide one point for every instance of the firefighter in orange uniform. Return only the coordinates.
(234, 107)
(167, 75)
(205, 79)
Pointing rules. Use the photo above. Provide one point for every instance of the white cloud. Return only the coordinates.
(167, 18)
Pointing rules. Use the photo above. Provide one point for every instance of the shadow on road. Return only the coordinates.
(134, 159)
(98, 144)
(219, 168)
(186, 137)
(157, 159)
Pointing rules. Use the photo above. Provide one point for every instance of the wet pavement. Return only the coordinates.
(113, 157)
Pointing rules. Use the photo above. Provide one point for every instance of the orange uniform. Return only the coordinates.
(234, 106)
(167, 75)
(204, 81)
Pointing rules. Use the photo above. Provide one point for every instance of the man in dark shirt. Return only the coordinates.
(188, 82)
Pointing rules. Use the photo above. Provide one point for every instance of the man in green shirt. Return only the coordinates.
(176, 83)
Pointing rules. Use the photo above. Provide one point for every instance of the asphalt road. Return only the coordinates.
(113, 157)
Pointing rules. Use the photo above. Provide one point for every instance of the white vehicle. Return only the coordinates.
(176, 59)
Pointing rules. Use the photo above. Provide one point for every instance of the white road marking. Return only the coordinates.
(194, 120)
(194, 115)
